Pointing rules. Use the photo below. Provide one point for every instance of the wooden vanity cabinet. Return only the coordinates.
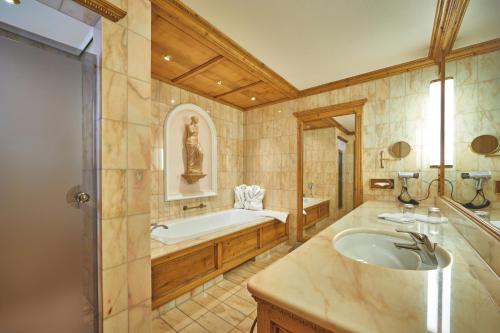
(273, 319)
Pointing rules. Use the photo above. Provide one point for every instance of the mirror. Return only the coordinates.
(329, 160)
(474, 168)
(400, 149)
(485, 144)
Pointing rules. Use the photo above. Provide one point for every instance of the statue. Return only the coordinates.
(194, 153)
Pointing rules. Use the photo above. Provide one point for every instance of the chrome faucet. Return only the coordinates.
(422, 245)
(156, 225)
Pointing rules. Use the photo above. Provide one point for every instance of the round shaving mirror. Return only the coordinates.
(400, 149)
(485, 144)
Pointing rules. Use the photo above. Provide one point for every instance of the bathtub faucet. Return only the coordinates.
(156, 225)
(202, 205)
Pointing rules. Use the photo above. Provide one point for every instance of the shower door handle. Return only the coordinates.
(82, 197)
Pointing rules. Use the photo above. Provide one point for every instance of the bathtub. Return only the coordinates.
(183, 229)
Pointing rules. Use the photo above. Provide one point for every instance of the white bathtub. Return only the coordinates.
(191, 227)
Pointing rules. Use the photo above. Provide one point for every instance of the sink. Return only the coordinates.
(377, 248)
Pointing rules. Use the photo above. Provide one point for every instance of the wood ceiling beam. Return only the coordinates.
(192, 24)
(447, 20)
(238, 89)
(199, 69)
(338, 125)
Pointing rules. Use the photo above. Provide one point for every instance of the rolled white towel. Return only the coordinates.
(239, 196)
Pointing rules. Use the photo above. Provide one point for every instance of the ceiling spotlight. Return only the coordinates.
(253, 98)
(172, 101)
(219, 83)
(13, 2)
(167, 57)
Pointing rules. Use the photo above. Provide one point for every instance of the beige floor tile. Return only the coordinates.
(253, 315)
(243, 273)
(194, 328)
(246, 295)
(245, 325)
(214, 324)
(206, 300)
(236, 330)
(219, 293)
(234, 278)
(229, 286)
(177, 319)
(240, 304)
(232, 316)
(160, 326)
(192, 309)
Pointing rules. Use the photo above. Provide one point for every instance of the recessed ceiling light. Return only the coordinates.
(253, 98)
(219, 83)
(167, 57)
(279, 111)
(13, 2)
(172, 101)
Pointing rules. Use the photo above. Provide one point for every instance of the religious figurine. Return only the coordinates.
(194, 153)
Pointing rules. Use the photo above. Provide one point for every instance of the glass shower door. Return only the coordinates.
(47, 230)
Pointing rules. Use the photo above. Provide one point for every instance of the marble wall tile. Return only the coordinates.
(139, 57)
(139, 318)
(117, 323)
(114, 242)
(114, 144)
(114, 95)
(139, 17)
(115, 290)
(138, 236)
(488, 66)
(489, 94)
(138, 183)
(139, 147)
(139, 280)
(114, 193)
(114, 47)
(139, 102)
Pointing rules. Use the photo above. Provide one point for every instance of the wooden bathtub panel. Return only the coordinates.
(239, 246)
(177, 272)
(273, 232)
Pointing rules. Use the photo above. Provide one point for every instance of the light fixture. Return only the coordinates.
(219, 83)
(167, 57)
(253, 98)
(13, 2)
(434, 119)
(172, 101)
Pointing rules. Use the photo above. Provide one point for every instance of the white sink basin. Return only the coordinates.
(377, 248)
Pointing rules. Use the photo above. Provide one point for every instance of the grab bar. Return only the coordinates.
(202, 205)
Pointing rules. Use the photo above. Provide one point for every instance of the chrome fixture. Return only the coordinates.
(13, 2)
(202, 205)
(82, 197)
(156, 225)
(404, 176)
(478, 176)
(421, 245)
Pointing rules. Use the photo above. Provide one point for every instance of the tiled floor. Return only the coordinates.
(224, 307)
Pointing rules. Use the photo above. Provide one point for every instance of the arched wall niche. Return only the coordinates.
(176, 186)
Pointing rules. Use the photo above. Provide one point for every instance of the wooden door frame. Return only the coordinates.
(353, 107)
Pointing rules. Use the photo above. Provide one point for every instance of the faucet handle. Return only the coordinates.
(420, 238)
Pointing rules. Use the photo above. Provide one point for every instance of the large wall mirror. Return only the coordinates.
(472, 131)
(329, 165)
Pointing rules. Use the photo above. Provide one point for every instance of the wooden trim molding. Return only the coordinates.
(200, 69)
(447, 21)
(189, 22)
(104, 8)
(352, 107)
(338, 126)
(474, 50)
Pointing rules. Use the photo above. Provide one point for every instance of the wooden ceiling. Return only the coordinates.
(205, 61)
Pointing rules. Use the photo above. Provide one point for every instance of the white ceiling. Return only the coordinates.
(480, 24)
(348, 121)
(315, 42)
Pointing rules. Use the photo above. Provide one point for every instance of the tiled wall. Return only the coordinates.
(125, 96)
(229, 125)
(396, 110)
(477, 91)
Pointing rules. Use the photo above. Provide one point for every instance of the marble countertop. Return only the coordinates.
(158, 249)
(318, 284)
